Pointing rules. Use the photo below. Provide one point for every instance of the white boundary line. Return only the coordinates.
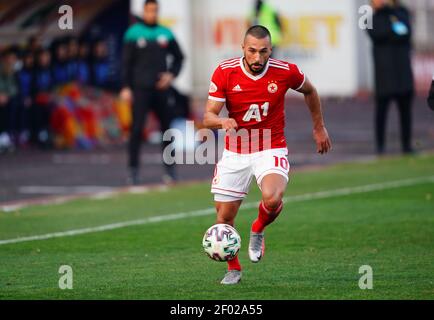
(209, 211)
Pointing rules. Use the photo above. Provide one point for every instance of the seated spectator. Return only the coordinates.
(100, 65)
(34, 44)
(83, 72)
(72, 60)
(8, 99)
(25, 83)
(60, 65)
(43, 105)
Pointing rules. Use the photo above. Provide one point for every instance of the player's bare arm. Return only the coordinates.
(313, 101)
(211, 119)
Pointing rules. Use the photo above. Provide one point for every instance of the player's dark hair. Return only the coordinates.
(150, 2)
(259, 32)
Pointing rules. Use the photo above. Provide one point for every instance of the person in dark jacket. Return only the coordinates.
(44, 82)
(83, 69)
(61, 71)
(100, 68)
(146, 78)
(430, 99)
(391, 38)
(25, 82)
(72, 60)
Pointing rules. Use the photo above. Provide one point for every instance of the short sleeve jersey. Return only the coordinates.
(256, 102)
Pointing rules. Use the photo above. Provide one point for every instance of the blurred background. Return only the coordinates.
(74, 142)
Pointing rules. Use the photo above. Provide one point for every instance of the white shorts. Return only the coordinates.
(234, 172)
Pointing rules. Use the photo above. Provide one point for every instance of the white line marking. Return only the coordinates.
(12, 208)
(209, 211)
(62, 189)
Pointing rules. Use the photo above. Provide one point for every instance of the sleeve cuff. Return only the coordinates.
(304, 80)
(217, 99)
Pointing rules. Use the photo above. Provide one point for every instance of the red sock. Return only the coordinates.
(234, 264)
(265, 217)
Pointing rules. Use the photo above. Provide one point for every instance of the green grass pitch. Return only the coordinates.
(314, 249)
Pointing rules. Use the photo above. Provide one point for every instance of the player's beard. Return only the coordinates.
(258, 71)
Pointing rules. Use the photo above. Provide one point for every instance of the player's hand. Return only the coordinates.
(165, 81)
(126, 95)
(321, 137)
(229, 123)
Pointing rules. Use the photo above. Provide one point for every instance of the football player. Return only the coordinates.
(253, 90)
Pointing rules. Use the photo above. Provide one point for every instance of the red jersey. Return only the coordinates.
(255, 102)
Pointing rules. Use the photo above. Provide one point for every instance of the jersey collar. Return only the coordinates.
(259, 76)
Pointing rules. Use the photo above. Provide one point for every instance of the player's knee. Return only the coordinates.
(272, 200)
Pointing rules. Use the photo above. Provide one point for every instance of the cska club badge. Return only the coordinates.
(272, 87)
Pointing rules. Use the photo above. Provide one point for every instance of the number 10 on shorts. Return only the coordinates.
(281, 162)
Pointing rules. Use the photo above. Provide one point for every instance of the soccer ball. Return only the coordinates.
(221, 242)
